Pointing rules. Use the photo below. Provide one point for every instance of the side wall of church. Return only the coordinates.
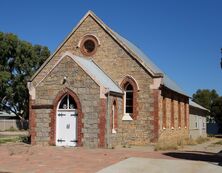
(174, 117)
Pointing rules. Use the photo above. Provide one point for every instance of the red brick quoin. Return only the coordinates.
(154, 113)
(32, 123)
(102, 123)
(53, 116)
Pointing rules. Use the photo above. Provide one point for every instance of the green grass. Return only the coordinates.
(201, 140)
(6, 139)
(218, 143)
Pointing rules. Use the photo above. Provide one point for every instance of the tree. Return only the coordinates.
(216, 110)
(212, 101)
(205, 97)
(18, 62)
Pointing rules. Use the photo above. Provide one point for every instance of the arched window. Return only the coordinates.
(128, 98)
(67, 103)
(130, 88)
(114, 117)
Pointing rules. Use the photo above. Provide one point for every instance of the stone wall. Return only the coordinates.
(117, 63)
(110, 55)
(86, 90)
(174, 117)
(198, 127)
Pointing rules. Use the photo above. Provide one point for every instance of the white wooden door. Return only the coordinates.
(66, 128)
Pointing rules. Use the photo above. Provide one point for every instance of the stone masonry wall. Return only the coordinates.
(174, 130)
(110, 55)
(83, 86)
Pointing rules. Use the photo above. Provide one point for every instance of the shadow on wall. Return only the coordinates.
(198, 156)
(22, 124)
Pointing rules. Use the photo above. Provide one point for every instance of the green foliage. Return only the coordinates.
(216, 109)
(7, 139)
(210, 100)
(205, 97)
(19, 60)
(218, 143)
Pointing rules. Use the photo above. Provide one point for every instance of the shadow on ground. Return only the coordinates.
(198, 156)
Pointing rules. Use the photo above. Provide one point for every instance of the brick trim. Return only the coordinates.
(155, 114)
(52, 125)
(32, 122)
(179, 113)
(172, 112)
(86, 38)
(185, 113)
(164, 112)
(132, 81)
(102, 123)
(115, 115)
(42, 106)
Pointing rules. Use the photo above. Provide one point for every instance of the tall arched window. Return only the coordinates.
(128, 98)
(130, 88)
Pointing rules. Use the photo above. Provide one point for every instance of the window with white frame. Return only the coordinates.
(196, 122)
(114, 117)
(67, 103)
(128, 98)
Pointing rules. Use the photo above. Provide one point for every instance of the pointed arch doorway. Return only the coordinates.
(66, 122)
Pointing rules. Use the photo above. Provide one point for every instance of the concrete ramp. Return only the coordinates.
(145, 165)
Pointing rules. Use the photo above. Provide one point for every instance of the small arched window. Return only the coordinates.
(129, 98)
(67, 103)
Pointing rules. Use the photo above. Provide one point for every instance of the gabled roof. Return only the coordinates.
(97, 73)
(194, 104)
(93, 70)
(167, 82)
(129, 47)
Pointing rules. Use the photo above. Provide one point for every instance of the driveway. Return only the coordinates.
(23, 158)
(145, 165)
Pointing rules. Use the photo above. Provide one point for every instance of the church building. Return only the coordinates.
(99, 90)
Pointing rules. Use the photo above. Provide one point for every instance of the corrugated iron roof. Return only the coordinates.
(97, 73)
(6, 114)
(169, 83)
(194, 104)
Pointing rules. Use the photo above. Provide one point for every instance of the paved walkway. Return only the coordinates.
(145, 165)
(21, 158)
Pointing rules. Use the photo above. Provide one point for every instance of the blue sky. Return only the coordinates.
(182, 37)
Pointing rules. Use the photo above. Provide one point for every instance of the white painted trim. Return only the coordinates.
(31, 89)
(127, 117)
(156, 83)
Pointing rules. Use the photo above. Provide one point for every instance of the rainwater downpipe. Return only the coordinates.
(108, 121)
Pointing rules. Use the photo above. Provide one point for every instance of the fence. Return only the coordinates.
(7, 124)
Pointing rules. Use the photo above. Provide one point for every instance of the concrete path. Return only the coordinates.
(145, 165)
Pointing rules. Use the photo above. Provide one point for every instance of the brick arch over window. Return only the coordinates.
(59, 96)
(135, 88)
